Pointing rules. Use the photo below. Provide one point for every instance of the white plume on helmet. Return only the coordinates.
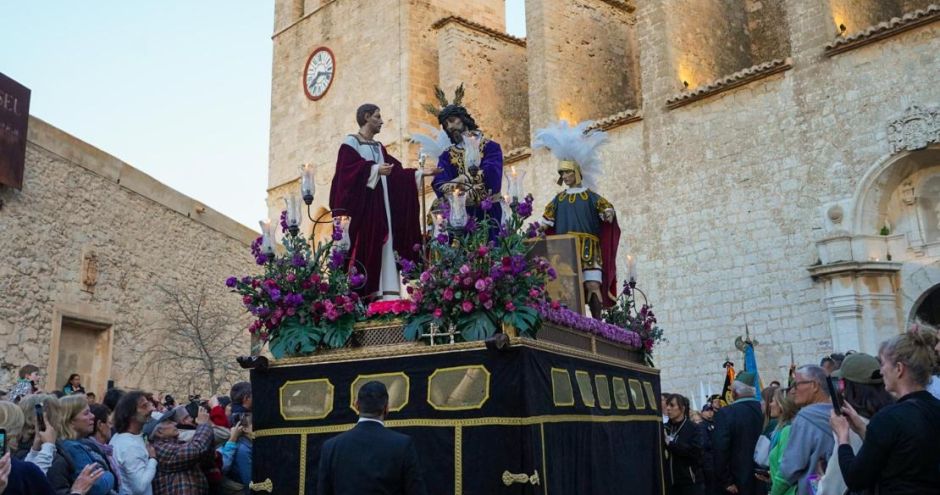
(569, 143)
(433, 145)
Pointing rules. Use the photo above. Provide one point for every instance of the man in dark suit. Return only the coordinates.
(737, 428)
(370, 459)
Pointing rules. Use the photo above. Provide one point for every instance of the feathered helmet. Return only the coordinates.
(444, 109)
(575, 148)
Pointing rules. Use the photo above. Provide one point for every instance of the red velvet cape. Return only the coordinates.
(368, 228)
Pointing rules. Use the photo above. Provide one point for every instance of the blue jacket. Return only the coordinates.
(82, 454)
(236, 460)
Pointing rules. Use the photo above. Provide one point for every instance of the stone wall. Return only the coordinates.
(720, 200)
(77, 200)
(582, 58)
(493, 72)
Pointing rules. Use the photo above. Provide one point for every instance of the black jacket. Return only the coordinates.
(901, 451)
(369, 459)
(684, 453)
(737, 428)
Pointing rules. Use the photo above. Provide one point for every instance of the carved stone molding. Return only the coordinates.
(89, 270)
(480, 28)
(517, 154)
(616, 120)
(915, 130)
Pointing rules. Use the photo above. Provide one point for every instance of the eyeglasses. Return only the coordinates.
(797, 384)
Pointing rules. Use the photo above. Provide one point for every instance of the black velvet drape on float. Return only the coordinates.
(534, 416)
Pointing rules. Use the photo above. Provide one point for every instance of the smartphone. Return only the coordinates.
(836, 398)
(3, 442)
(40, 420)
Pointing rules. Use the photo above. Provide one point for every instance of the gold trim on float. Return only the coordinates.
(419, 349)
(393, 394)
(562, 396)
(544, 468)
(584, 387)
(621, 396)
(603, 398)
(651, 396)
(302, 485)
(458, 460)
(637, 393)
(328, 402)
(466, 423)
(472, 374)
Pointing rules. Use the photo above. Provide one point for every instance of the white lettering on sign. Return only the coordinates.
(9, 103)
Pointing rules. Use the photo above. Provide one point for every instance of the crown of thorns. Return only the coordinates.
(442, 103)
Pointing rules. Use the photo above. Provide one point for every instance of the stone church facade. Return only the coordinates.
(108, 273)
(774, 164)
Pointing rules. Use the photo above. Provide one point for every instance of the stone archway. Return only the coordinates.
(927, 308)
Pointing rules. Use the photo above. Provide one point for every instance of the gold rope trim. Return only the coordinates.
(544, 464)
(458, 460)
(302, 485)
(468, 422)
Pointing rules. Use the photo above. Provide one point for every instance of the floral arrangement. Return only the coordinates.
(555, 313)
(641, 321)
(478, 277)
(304, 299)
(398, 308)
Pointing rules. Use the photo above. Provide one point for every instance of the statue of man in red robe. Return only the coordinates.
(381, 199)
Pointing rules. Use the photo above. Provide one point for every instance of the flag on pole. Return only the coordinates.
(750, 364)
(726, 396)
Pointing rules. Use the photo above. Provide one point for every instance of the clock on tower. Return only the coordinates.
(318, 73)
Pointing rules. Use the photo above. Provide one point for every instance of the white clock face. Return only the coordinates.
(319, 74)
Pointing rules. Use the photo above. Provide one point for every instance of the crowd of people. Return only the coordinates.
(854, 424)
(130, 443)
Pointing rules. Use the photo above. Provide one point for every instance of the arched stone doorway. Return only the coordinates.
(927, 309)
(879, 260)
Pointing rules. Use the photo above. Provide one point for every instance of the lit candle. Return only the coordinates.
(307, 183)
(631, 267)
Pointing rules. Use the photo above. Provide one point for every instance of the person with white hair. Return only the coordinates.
(737, 428)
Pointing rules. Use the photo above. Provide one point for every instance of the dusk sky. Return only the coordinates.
(178, 89)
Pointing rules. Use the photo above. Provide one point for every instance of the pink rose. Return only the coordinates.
(480, 285)
(448, 294)
(438, 313)
(467, 306)
(510, 306)
(464, 270)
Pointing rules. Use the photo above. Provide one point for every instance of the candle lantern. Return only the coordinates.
(307, 182)
(515, 183)
(458, 209)
(267, 237)
(292, 204)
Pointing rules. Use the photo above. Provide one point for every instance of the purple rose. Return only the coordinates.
(231, 282)
(298, 260)
(486, 204)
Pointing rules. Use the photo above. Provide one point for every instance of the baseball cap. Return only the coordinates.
(860, 368)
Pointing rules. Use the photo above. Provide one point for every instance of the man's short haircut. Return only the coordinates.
(373, 397)
(240, 391)
(91, 394)
(27, 370)
(814, 373)
(126, 409)
(742, 389)
(111, 398)
(827, 359)
(364, 112)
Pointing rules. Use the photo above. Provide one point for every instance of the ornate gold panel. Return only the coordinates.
(650, 395)
(584, 386)
(397, 383)
(603, 391)
(306, 399)
(459, 388)
(562, 392)
(621, 396)
(636, 392)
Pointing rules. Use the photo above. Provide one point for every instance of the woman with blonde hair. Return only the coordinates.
(38, 447)
(785, 410)
(76, 452)
(899, 451)
(16, 476)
